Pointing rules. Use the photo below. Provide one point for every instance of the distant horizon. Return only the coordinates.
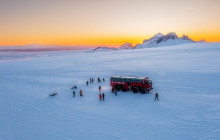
(55, 47)
(67, 47)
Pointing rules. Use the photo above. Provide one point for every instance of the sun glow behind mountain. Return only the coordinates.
(104, 22)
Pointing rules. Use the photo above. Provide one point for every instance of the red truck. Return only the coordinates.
(135, 84)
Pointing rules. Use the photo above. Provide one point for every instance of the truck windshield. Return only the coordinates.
(148, 82)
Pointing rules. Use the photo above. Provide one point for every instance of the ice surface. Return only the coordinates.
(187, 78)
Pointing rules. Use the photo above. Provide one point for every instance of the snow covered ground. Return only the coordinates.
(187, 78)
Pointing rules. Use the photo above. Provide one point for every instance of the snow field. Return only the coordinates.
(187, 78)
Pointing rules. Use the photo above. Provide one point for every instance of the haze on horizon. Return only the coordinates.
(105, 22)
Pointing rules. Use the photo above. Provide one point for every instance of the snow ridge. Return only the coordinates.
(104, 49)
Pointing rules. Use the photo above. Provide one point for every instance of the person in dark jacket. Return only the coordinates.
(103, 96)
(100, 97)
(74, 93)
(115, 92)
(87, 83)
(99, 80)
(99, 88)
(156, 97)
(103, 79)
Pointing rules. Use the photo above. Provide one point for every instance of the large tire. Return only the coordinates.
(147, 90)
(123, 89)
(135, 90)
(113, 89)
(142, 91)
(117, 87)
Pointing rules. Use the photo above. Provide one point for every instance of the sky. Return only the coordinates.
(105, 22)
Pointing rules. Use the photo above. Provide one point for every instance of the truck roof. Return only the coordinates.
(124, 77)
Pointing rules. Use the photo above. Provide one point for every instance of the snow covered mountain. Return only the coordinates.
(160, 40)
(202, 41)
(104, 49)
(126, 46)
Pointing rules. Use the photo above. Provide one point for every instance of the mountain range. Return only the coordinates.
(158, 40)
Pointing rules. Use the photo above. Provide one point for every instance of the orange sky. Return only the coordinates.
(105, 22)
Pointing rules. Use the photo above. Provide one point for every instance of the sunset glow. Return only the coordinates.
(105, 22)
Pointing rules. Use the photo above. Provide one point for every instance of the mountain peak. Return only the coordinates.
(171, 35)
(202, 41)
(158, 35)
(126, 46)
(185, 37)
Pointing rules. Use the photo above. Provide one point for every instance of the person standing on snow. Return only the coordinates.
(80, 93)
(99, 80)
(74, 87)
(87, 83)
(115, 92)
(103, 96)
(156, 97)
(99, 88)
(74, 93)
(103, 79)
(100, 97)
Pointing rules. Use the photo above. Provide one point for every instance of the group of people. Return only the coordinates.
(74, 92)
(91, 80)
(99, 80)
(80, 93)
(102, 95)
(74, 87)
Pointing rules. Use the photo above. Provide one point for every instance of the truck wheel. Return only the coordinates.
(117, 88)
(113, 89)
(142, 91)
(147, 91)
(135, 90)
(123, 89)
